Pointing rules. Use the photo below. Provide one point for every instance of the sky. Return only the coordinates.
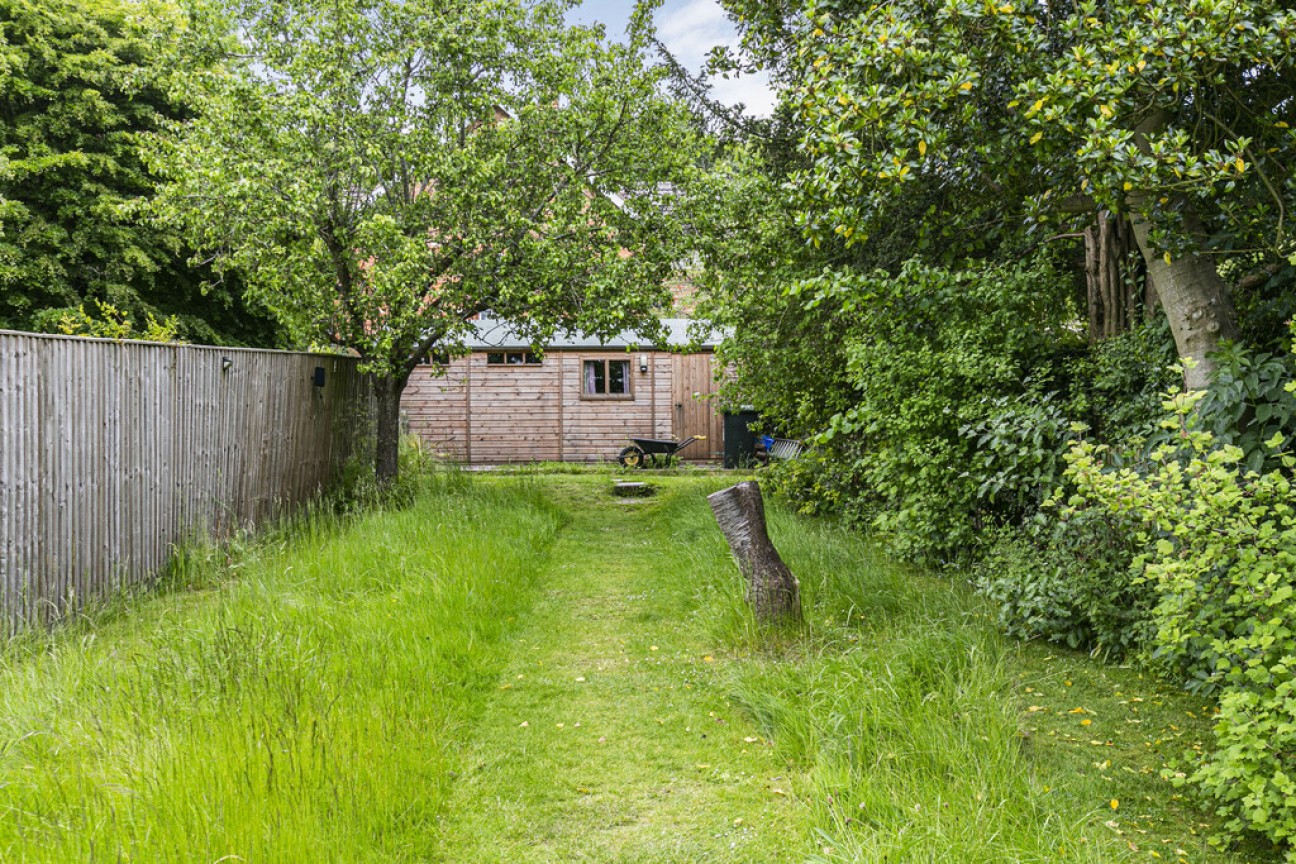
(689, 28)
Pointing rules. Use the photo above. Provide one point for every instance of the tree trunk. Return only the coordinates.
(772, 591)
(387, 393)
(1151, 300)
(1128, 277)
(1111, 276)
(1196, 302)
(1093, 278)
(1189, 288)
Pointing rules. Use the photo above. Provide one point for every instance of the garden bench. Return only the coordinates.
(784, 448)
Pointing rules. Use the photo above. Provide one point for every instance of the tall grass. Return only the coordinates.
(895, 703)
(309, 698)
(300, 708)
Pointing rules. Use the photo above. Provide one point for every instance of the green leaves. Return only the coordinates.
(1038, 111)
(945, 429)
(82, 83)
(381, 173)
(1034, 119)
(1222, 568)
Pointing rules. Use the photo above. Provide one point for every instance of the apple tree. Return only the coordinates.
(382, 172)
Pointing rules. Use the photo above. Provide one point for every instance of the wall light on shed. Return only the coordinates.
(643, 362)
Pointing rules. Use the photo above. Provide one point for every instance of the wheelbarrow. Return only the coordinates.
(641, 450)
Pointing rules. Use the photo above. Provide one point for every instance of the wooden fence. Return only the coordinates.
(113, 452)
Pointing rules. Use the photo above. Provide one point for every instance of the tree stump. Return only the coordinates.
(773, 592)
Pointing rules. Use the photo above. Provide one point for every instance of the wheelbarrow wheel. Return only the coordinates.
(631, 457)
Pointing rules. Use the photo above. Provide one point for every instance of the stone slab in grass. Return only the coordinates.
(632, 489)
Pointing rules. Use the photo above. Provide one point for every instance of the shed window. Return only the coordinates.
(511, 358)
(606, 378)
(436, 357)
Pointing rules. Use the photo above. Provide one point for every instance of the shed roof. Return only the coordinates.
(491, 333)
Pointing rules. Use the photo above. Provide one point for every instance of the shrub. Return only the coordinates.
(1248, 403)
(111, 323)
(1220, 558)
(1067, 579)
(814, 483)
(1017, 458)
(1119, 383)
(933, 353)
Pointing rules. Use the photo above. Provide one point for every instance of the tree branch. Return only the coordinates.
(1258, 278)
(1264, 178)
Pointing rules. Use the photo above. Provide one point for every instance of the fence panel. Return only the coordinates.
(113, 452)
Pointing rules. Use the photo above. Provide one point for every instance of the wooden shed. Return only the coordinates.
(579, 402)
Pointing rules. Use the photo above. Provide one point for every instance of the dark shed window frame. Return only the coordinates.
(515, 359)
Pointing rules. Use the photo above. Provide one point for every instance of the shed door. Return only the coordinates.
(693, 411)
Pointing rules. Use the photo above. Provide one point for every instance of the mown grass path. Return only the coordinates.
(608, 738)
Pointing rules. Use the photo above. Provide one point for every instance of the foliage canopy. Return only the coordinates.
(82, 82)
(380, 173)
(1002, 119)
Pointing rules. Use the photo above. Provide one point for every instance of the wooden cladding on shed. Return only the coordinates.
(480, 412)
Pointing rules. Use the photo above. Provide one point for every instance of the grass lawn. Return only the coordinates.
(528, 669)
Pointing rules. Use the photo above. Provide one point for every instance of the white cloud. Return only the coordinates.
(690, 28)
